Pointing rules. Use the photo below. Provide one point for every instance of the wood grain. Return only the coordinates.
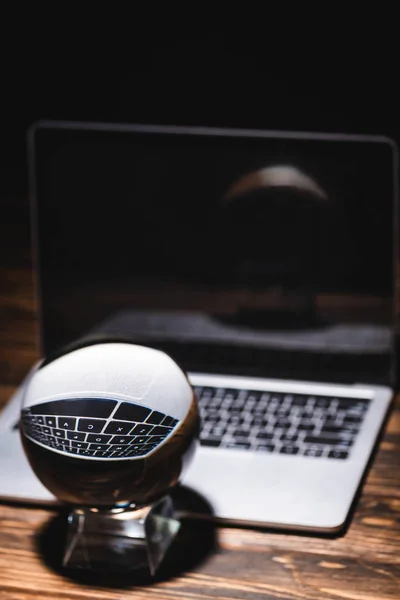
(229, 563)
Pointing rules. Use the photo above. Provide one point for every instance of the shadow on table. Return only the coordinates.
(195, 541)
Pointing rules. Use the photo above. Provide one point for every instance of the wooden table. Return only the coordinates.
(229, 562)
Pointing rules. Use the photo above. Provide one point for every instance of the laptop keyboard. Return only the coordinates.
(97, 428)
(277, 422)
(272, 422)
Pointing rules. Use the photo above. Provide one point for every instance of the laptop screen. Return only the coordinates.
(252, 253)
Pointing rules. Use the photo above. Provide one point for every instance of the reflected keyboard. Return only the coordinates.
(97, 428)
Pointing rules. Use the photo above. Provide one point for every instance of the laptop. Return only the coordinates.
(263, 262)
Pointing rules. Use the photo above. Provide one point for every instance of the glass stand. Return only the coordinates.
(120, 540)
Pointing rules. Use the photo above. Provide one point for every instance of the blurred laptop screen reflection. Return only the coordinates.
(239, 244)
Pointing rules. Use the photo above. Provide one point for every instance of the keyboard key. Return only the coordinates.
(103, 454)
(118, 427)
(306, 414)
(149, 445)
(282, 412)
(71, 450)
(227, 402)
(322, 414)
(64, 442)
(269, 408)
(265, 447)
(252, 399)
(144, 451)
(259, 422)
(211, 418)
(128, 411)
(352, 419)
(218, 392)
(50, 421)
(95, 438)
(325, 440)
(46, 430)
(358, 409)
(145, 429)
(258, 409)
(155, 418)
(117, 448)
(82, 445)
(133, 453)
(122, 439)
(86, 453)
(319, 403)
(346, 435)
(316, 452)
(214, 442)
(74, 435)
(40, 420)
(85, 407)
(331, 429)
(238, 404)
(214, 403)
(263, 435)
(276, 398)
(283, 423)
(305, 427)
(241, 433)
(348, 403)
(289, 437)
(99, 447)
(341, 454)
(168, 421)
(346, 443)
(142, 439)
(66, 423)
(332, 422)
(91, 425)
(159, 430)
(207, 392)
(289, 449)
(59, 433)
(299, 401)
(238, 445)
(235, 420)
(216, 431)
(158, 438)
(348, 429)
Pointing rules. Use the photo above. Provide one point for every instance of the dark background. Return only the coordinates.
(337, 79)
(262, 73)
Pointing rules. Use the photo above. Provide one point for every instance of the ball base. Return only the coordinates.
(120, 540)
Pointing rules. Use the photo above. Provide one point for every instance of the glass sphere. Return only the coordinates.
(109, 425)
